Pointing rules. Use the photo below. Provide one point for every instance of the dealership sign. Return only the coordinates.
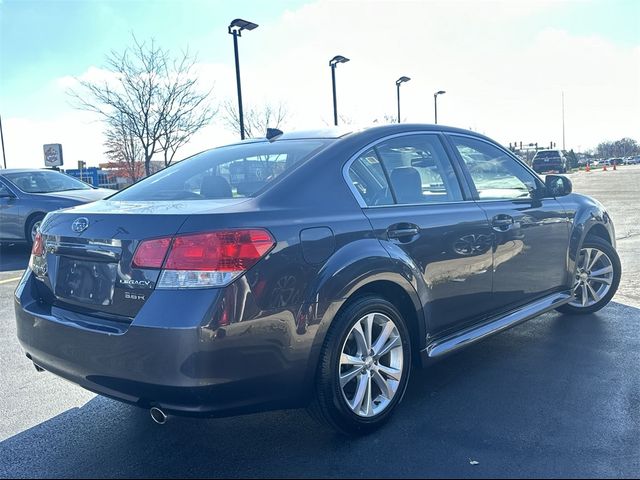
(53, 155)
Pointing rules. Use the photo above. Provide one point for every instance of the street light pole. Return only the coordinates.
(333, 63)
(435, 103)
(235, 29)
(563, 146)
(398, 83)
(335, 102)
(4, 157)
(398, 87)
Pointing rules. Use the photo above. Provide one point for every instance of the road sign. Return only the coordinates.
(52, 155)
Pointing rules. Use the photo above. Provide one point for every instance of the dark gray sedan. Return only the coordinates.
(26, 196)
(308, 269)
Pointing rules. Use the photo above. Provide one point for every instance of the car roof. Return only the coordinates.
(339, 132)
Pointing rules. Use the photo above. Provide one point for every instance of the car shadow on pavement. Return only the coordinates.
(14, 257)
(556, 396)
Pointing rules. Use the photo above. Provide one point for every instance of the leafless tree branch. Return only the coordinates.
(152, 101)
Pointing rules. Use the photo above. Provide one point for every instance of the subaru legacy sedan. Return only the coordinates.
(27, 195)
(308, 269)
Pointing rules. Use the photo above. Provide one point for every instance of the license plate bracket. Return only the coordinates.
(86, 282)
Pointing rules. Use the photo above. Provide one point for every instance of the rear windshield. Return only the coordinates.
(226, 172)
(551, 154)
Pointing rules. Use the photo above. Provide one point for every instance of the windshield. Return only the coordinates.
(45, 181)
(227, 172)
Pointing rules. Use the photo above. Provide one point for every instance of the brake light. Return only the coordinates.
(38, 245)
(200, 260)
(151, 253)
(37, 263)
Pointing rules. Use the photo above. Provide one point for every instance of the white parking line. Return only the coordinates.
(9, 280)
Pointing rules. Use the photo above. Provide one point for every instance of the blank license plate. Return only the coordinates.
(86, 282)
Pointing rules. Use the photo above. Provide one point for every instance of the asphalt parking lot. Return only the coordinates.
(558, 396)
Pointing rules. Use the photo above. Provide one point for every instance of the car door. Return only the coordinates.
(530, 234)
(10, 215)
(412, 196)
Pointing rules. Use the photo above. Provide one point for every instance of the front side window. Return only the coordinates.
(419, 170)
(495, 174)
(227, 172)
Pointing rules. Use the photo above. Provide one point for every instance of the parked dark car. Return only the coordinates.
(312, 269)
(549, 161)
(26, 196)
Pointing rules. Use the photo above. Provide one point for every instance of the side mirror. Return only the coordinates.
(557, 185)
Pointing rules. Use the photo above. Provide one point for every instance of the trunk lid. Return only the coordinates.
(88, 253)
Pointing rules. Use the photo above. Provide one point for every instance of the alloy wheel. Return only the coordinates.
(594, 275)
(34, 230)
(371, 364)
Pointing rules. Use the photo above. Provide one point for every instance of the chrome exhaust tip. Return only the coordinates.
(158, 416)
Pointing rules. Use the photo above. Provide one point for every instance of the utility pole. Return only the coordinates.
(563, 144)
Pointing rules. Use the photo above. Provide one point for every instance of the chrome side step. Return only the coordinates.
(471, 335)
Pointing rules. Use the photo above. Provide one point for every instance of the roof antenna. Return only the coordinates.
(273, 134)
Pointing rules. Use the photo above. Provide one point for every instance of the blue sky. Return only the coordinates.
(464, 47)
(44, 40)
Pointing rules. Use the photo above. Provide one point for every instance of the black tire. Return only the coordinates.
(607, 248)
(29, 227)
(329, 405)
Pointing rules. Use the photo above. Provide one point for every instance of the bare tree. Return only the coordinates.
(123, 150)
(619, 148)
(151, 97)
(387, 118)
(256, 121)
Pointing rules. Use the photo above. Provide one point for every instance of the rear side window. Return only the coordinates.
(227, 172)
(407, 170)
(419, 170)
(369, 180)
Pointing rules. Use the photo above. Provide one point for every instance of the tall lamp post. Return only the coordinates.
(235, 28)
(435, 103)
(333, 64)
(398, 83)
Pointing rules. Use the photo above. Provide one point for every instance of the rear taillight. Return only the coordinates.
(38, 245)
(151, 253)
(37, 263)
(200, 260)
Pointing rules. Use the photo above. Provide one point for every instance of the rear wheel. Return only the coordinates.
(364, 367)
(597, 277)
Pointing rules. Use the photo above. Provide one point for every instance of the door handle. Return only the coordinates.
(502, 222)
(403, 232)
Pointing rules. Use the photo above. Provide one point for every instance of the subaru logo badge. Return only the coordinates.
(79, 225)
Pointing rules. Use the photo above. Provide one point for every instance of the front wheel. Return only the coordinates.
(364, 367)
(31, 229)
(597, 277)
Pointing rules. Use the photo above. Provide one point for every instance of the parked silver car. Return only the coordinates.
(26, 196)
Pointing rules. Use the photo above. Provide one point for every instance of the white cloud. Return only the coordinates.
(499, 81)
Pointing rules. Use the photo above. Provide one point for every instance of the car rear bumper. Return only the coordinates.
(175, 361)
(548, 167)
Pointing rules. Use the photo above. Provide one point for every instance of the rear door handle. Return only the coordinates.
(403, 232)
